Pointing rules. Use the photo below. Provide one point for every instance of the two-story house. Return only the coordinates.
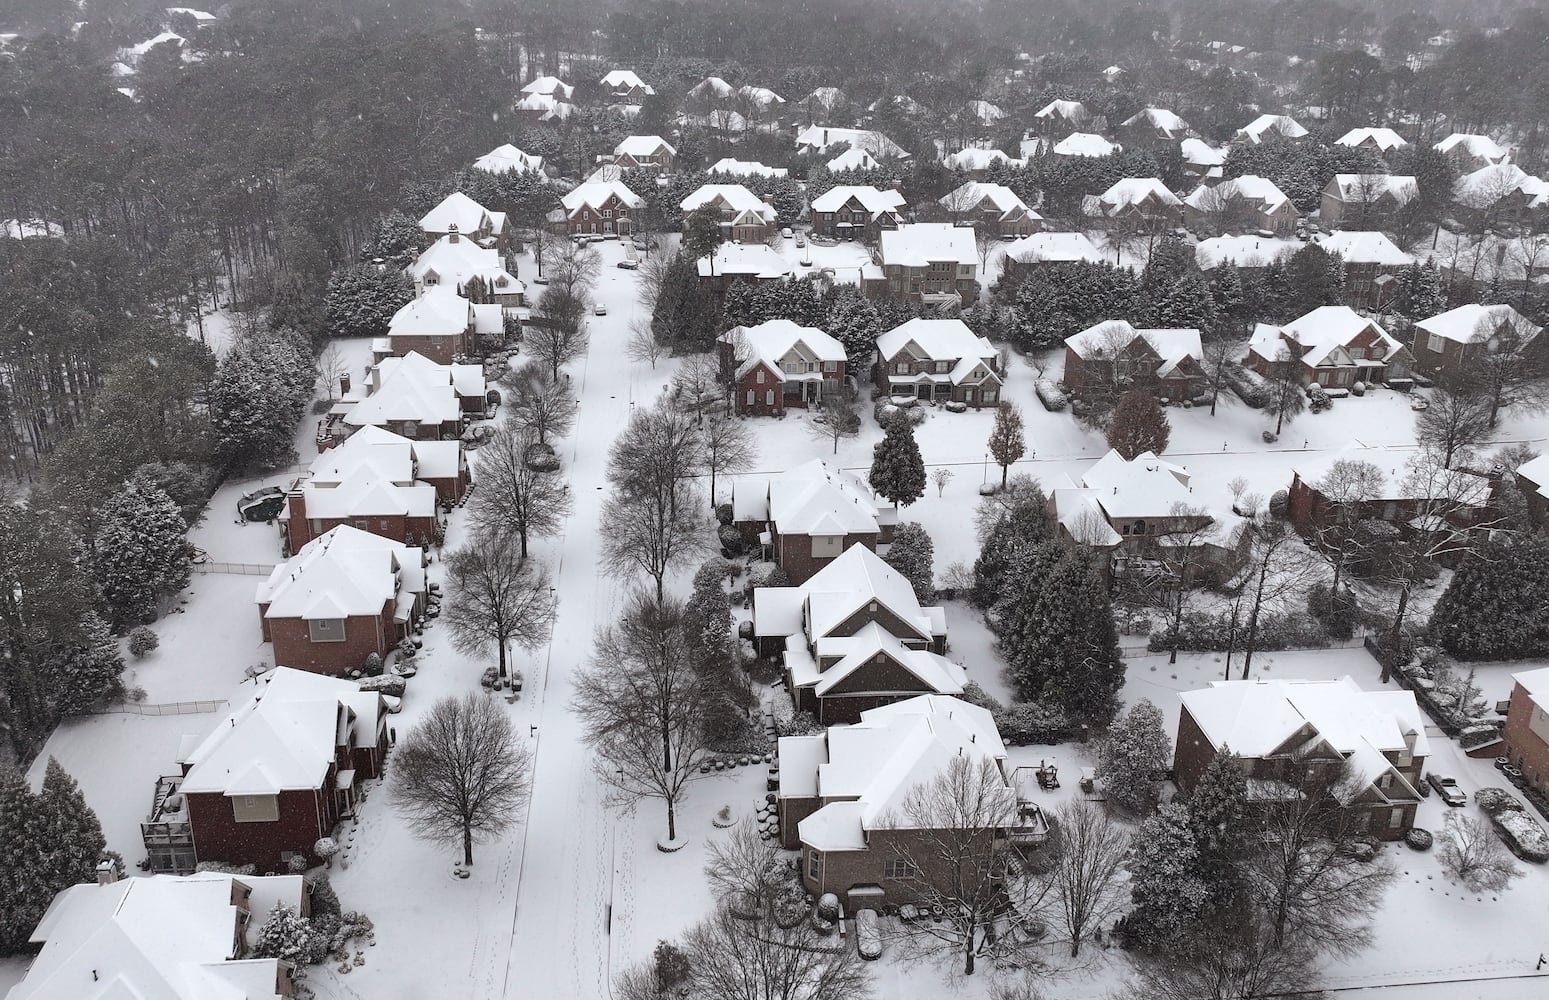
(1455, 502)
(1270, 128)
(1334, 346)
(1366, 201)
(1527, 727)
(1045, 248)
(1500, 192)
(458, 213)
(927, 262)
(1152, 128)
(413, 396)
(779, 364)
(1061, 118)
(474, 272)
(1372, 265)
(1450, 343)
(440, 325)
(1246, 202)
(856, 212)
(1378, 140)
(1140, 201)
(743, 216)
(805, 517)
(340, 598)
(853, 637)
(990, 208)
(842, 796)
(626, 87)
(545, 99)
(272, 778)
(645, 152)
(939, 360)
(821, 138)
(1280, 727)
(1202, 162)
(601, 207)
(1113, 357)
(1468, 152)
(732, 262)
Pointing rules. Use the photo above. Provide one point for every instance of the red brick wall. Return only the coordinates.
(417, 531)
(588, 219)
(794, 554)
(293, 646)
(1193, 752)
(304, 817)
(1526, 748)
(438, 349)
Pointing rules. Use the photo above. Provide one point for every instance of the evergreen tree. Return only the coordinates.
(897, 468)
(140, 552)
(1185, 305)
(1171, 259)
(1059, 300)
(396, 243)
(1165, 883)
(737, 305)
(685, 319)
(26, 892)
(852, 320)
(1006, 442)
(261, 389)
(913, 554)
(1010, 523)
(1217, 815)
(87, 670)
(362, 299)
(1315, 277)
(1132, 755)
(285, 935)
(1420, 295)
(1138, 424)
(70, 842)
(1493, 608)
(1229, 299)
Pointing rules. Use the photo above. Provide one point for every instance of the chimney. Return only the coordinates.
(451, 233)
(344, 383)
(107, 872)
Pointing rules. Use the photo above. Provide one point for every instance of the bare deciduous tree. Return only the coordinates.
(1502, 373)
(1279, 566)
(1287, 395)
(538, 403)
(461, 771)
(651, 520)
(573, 267)
(734, 959)
(556, 334)
(642, 705)
(1185, 535)
(643, 345)
(1091, 856)
(728, 447)
(1229, 957)
(1475, 856)
(1456, 420)
(513, 496)
(331, 367)
(697, 379)
(940, 476)
(1007, 445)
(840, 419)
(1220, 353)
(496, 598)
(744, 869)
(1347, 486)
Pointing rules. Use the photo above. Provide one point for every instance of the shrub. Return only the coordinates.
(1318, 400)
(324, 899)
(1213, 633)
(373, 664)
(799, 724)
(1248, 386)
(1359, 389)
(142, 640)
(1023, 723)
(1280, 504)
(731, 540)
(723, 513)
(1495, 800)
(1338, 613)
(1269, 437)
(771, 576)
(1051, 395)
(1419, 839)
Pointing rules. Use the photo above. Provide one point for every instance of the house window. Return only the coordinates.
(326, 629)
(902, 368)
(815, 865)
(941, 367)
(1433, 343)
(1139, 528)
(1395, 819)
(363, 525)
(827, 546)
(987, 395)
(607, 213)
(255, 808)
(759, 377)
(769, 397)
(897, 868)
(752, 396)
(1357, 353)
(431, 279)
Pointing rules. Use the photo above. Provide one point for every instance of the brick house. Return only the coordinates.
(1152, 128)
(645, 152)
(1450, 342)
(458, 213)
(161, 938)
(856, 212)
(1243, 252)
(1366, 201)
(1527, 726)
(1333, 346)
(1112, 357)
(930, 263)
(600, 207)
(732, 262)
(990, 208)
(1372, 263)
(1202, 161)
(1378, 140)
(1533, 480)
(280, 772)
(1045, 248)
(805, 517)
(1142, 201)
(1061, 118)
(743, 216)
(1271, 724)
(341, 597)
(476, 273)
(854, 636)
(440, 326)
(1467, 152)
(1462, 498)
(975, 162)
(412, 396)
(779, 365)
(841, 792)
(938, 360)
(1501, 192)
(1143, 512)
(625, 86)
(1246, 202)
(1270, 128)
(379, 482)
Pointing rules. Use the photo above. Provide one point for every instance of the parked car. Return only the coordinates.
(786, 232)
(629, 265)
(540, 280)
(1447, 788)
(599, 310)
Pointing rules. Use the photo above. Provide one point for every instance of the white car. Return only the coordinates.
(599, 310)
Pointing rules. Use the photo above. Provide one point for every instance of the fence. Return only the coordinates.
(165, 708)
(1439, 716)
(244, 569)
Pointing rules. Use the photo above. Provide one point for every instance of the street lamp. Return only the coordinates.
(986, 478)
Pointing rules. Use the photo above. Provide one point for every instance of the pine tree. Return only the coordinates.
(285, 935)
(1171, 259)
(1217, 812)
(27, 889)
(1419, 292)
(1230, 299)
(912, 553)
(1138, 424)
(1131, 756)
(1165, 882)
(141, 552)
(1186, 305)
(1493, 608)
(852, 320)
(897, 469)
(261, 389)
(1315, 277)
(70, 842)
(737, 305)
(1006, 442)
(1011, 522)
(86, 671)
(396, 243)
(362, 299)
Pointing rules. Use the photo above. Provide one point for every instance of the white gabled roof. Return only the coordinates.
(1132, 190)
(853, 580)
(1402, 188)
(380, 454)
(456, 209)
(593, 194)
(745, 168)
(1320, 334)
(734, 196)
(1250, 187)
(438, 312)
(872, 200)
(1487, 185)
(1245, 251)
(936, 339)
(826, 97)
(711, 86)
(1085, 144)
(1283, 125)
(1116, 334)
(752, 260)
(416, 388)
(760, 96)
(1364, 248)
(643, 145)
(1199, 153)
(342, 572)
(921, 243)
(1157, 118)
(1383, 138)
(161, 937)
(202, 16)
(770, 341)
(818, 138)
(1535, 682)
(505, 158)
(973, 158)
(455, 263)
(975, 193)
(549, 86)
(984, 111)
(1144, 486)
(1054, 247)
(1475, 321)
(547, 105)
(812, 499)
(1478, 146)
(852, 159)
(625, 80)
(1067, 110)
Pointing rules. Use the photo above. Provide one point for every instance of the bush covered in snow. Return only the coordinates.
(1337, 613)
(1249, 386)
(1523, 835)
(1206, 632)
(1051, 395)
(142, 641)
(1280, 504)
(868, 935)
(286, 936)
(1495, 800)
(1419, 838)
(1024, 723)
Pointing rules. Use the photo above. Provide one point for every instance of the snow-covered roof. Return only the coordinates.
(414, 388)
(752, 260)
(1535, 683)
(594, 194)
(936, 340)
(974, 194)
(202, 16)
(1054, 247)
(855, 579)
(745, 168)
(549, 86)
(1144, 486)
(760, 96)
(547, 106)
(812, 499)
(625, 80)
(1244, 251)
(285, 737)
(456, 209)
(13, 229)
(772, 341)
(1480, 147)
(455, 262)
(161, 937)
(973, 158)
(873, 765)
(1256, 718)
(711, 86)
(643, 145)
(342, 572)
(1382, 138)
(732, 197)
(1482, 188)
(1402, 188)
(1321, 335)
(1130, 191)
(505, 158)
(438, 312)
(1104, 339)
(1474, 321)
(922, 243)
(826, 97)
(984, 111)
(848, 654)
(380, 454)
(1282, 125)
(1364, 248)
(140, 49)
(1070, 111)
(1248, 187)
(1160, 119)
(1399, 480)
(1199, 153)
(852, 159)
(819, 138)
(1085, 144)
(871, 199)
